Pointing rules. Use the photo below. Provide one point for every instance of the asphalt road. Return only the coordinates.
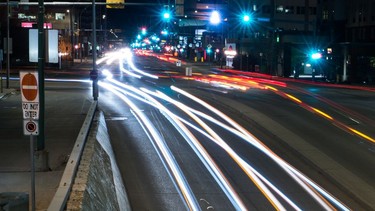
(319, 126)
(324, 131)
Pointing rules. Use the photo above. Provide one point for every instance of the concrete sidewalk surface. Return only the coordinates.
(65, 111)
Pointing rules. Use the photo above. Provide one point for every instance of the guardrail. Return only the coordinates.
(59, 200)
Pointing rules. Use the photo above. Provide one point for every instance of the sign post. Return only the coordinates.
(30, 110)
(1, 66)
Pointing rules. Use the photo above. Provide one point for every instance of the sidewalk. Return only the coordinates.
(65, 111)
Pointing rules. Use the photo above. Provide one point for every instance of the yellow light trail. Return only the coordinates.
(361, 134)
(293, 98)
(272, 88)
(298, 176)
(322, 113)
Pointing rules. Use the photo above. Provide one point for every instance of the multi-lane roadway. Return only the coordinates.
(232, 141)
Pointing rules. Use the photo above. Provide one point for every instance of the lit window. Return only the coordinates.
(60, 16)
(280, 9)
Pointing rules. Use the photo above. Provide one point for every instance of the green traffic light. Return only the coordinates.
(246, 18)
(166, 15)
(144, 31)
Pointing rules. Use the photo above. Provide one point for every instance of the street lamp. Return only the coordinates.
(316, 56)
(215, 17)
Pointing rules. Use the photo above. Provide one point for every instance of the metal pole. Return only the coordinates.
(1, 75)
(95, 72)
(8, 46)
(41, 59)
(345, 67)
(80, 40)
(71, 33)
(32, 160)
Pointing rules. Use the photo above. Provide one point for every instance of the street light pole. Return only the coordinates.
(41, 60)
(80, 39)
(8, 46)
(94, 72)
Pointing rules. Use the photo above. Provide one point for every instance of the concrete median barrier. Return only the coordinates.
(98, 184)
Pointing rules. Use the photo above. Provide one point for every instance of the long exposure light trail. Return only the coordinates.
(259, 180)
(241, 161)
(328, 117)
(202, 153)
(130, 62)
(231, 152)
(238, 202)
(279, 160)
(237, 83)
(172, 164)
(217, 173)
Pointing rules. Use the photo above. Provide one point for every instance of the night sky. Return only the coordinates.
(133, 17)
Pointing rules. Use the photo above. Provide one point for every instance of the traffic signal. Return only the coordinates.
(144, 30)
(117, 4)
(246, 18)
(166, 15)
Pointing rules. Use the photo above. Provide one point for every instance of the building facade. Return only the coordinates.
(73, 22)
(282, 35)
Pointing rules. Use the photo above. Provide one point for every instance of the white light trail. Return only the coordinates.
(130, 62)
(128, 72)
(302, 180)
(69, 80)
(206, 159)
(286, 166)
(218, 140)
(125, 55)
(202, 153)
(168, 157)
(248, 169)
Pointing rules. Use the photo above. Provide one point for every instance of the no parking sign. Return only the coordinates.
(30, 127)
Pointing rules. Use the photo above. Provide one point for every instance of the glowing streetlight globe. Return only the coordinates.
(215, 17)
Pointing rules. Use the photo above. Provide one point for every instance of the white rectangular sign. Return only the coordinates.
(30, 110)
(52, 47)
(33, 45)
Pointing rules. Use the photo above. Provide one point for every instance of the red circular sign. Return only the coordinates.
(29, 87)
(31, 127)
